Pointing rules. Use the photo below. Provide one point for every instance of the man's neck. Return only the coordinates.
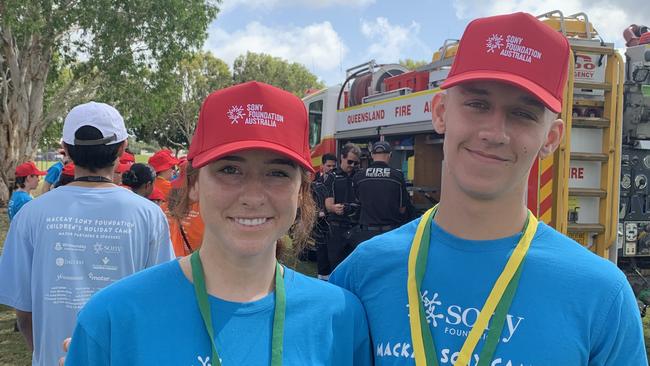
(476, 219)
(232, 277)
(82, 172)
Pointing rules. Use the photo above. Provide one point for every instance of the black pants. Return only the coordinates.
(320, 234)
(340, 243)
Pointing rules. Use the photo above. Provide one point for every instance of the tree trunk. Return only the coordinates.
(22, 88)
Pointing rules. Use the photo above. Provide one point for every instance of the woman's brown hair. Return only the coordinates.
(288, 247)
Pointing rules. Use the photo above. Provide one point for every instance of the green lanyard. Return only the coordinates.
(204, 306)
(424, 348)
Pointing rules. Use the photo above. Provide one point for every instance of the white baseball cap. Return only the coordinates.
(102, 116)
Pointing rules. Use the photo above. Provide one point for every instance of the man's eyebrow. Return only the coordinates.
(466, 89)
(526, 99)
(533, 102)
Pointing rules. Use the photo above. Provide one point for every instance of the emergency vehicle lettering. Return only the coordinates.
(403, 110)
(377, 172)
(366, 116)
(577, 173)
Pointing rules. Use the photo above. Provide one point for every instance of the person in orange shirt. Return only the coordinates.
(163, 162)
(185, 223)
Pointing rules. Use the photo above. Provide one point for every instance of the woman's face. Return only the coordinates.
(248, 200)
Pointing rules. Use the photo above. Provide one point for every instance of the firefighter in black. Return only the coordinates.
(340, 204)
(320, 233)
(381, 192)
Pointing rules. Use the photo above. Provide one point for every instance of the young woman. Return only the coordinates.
(231, 302)
(139, 177)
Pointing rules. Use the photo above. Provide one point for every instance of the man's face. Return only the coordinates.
(328, 166)
(493, 133)
(349, 162)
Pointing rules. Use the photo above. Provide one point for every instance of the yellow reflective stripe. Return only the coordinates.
(414, 294)
(496, 294)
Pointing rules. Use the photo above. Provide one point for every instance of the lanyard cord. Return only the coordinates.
(206, 314)
(499, 299)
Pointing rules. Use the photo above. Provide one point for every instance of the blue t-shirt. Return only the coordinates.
(571, 307)
(152, 318)
(17, 200)
(54, 172)
(66, 245)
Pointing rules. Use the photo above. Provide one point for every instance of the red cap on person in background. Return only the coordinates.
(251, 115)
(162, 160)
(517, 49)
(156, 195)
(68, 169)
(127, 158)
(27, 169)
(122, 167)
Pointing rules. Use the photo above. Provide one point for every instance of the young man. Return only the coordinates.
(27, 178)
(381, 192)
(77, 239)
(328, 164)
(430, 288)
(340, 194)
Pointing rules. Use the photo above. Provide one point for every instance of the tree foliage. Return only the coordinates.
(412, 64)
(292, 77)
(190, 83)
(103, 49)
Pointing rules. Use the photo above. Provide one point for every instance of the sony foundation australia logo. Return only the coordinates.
(512, 47)
(454, 321)
(253, 114)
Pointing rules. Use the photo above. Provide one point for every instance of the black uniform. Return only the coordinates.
(381, 191)
(339, 245)
(320, 233)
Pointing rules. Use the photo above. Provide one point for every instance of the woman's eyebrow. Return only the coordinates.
(282, 162)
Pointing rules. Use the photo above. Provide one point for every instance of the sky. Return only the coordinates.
(330, 36)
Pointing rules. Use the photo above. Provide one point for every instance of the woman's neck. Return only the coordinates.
(233, 277)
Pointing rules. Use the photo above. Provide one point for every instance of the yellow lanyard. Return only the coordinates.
(416, 256)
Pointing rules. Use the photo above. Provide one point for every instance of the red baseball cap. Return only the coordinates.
(162, 160)
(122, 167)
(251, 115)
(156, 195)
(27, 169)
(68, 169)
(127, 158)
(517, 49)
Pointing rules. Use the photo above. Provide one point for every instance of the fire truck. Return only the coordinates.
(634, 212)
(576, 190)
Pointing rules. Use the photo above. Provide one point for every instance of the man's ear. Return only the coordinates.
(438, 106)
(553, 139)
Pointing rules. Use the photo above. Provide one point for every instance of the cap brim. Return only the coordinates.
(544, 96)
(223, 150)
